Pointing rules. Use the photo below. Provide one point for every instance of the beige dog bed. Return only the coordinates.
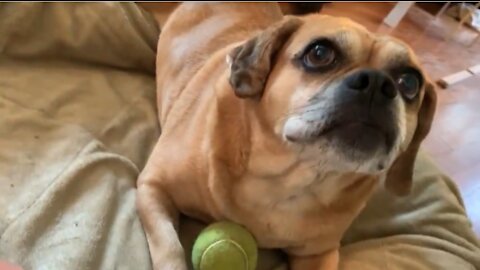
(77, 123)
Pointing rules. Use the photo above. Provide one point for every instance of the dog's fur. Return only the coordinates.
(230, 100)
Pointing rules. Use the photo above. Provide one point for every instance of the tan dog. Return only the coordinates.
(282, 124)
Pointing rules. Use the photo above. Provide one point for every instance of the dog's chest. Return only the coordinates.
(291, 211)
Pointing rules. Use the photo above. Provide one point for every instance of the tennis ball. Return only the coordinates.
(224, 246)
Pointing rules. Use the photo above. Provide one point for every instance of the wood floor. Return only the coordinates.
(454, 142)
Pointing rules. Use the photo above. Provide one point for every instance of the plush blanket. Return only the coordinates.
(78, 121)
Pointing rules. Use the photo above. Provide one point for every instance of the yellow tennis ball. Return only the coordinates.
(225, 246)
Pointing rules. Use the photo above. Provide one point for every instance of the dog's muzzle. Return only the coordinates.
(358, 116)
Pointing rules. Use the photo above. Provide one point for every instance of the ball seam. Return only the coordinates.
(232, 242)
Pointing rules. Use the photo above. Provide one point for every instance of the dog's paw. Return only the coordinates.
(173, 261)
(171, 265)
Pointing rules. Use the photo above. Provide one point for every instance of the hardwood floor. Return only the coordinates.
(454, 142)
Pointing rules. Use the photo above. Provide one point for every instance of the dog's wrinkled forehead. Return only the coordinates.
(390, 52)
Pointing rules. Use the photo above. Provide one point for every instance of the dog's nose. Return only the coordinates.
(370, 81)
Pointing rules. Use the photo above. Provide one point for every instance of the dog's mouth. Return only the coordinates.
(361, 135)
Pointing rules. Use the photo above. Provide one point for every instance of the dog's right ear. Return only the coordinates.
(400, 176)
(251, 62)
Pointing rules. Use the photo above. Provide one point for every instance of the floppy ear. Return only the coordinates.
(399, 177)
(252, 61)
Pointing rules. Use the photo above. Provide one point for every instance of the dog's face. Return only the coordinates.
(347, 99)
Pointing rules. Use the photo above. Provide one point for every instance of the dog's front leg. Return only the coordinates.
(325, 261)
(160, 220)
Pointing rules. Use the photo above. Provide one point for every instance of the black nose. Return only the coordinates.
(372, 81)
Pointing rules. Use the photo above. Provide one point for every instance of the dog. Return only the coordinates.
(284, 124)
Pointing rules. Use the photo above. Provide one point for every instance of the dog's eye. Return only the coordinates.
(319, 55)
(409, 85)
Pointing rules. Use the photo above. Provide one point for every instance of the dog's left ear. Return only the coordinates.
(399, 177)
(252, 61)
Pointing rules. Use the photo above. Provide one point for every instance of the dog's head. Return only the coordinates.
(348, 99)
